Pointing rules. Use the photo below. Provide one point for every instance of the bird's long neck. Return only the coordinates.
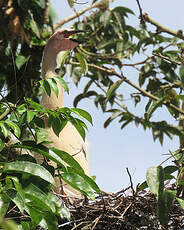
(48, 71)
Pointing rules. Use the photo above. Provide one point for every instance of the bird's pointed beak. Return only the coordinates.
(75, 32)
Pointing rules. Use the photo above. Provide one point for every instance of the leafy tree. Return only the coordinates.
(111, 47)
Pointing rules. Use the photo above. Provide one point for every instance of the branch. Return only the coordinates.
(143, 92)
(103, 4)
(104, 56)
(5, 113)
(131, 182)
(47, 3)
(161, 28)
(167, 59)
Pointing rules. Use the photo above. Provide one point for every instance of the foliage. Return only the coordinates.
(111, 48)
(26, 185)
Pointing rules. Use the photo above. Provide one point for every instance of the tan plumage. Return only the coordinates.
(69, 139)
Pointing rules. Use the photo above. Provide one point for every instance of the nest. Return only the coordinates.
(121, 211)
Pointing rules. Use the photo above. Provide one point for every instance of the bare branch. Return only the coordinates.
(143, 92)
(47, 3)
(131, 182)
(167, 59)
(101, 4)
(161, 28)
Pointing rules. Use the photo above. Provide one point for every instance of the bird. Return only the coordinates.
(69, 140)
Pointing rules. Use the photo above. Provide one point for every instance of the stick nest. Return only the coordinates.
(121, 211)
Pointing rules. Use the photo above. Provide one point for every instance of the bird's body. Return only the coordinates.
(69, 140)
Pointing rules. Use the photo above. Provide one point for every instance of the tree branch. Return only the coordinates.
(103, 4)
(143, 92)
(161, 28)
(167, 59)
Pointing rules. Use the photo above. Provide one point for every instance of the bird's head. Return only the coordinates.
(59, 41)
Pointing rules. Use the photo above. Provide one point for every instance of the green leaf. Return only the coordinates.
(52, 221)
(71, 3)
(21, 109)
(120, 21)
(8, 225)
(30, 168)
(35, 213)
(51, 153)
(78, 125)
(41, 135)
(181, 72)
(76, 75)
(82, 96)
(123, 10)
(61, 57)
(4, 204)
(2, 145)
(26, 225)
(35, 105)
(17, 184)
(53, 85)
(180, 201)
(4, 128)
(30, 115)
(142, 186)
(112, 89)
(56, 123)
(119, 49)
(67, 158)
(41, 149)
(46, 87)
(164, 205)
(17, 199)
(63, 83)
(15, 128)
(79, 183)
(155, 180)
(34, 26)
(170, 169)
(105, 17)
(20, 61)
(82, 113)
(153, 107)
(83, 62)
(116, 113)
(61, 208)
(37, 198)
(88, 179)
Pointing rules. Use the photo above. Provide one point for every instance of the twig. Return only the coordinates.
(167, 59)
(140, 10)
(75, 227)
(5, 113)
(96, 221)
(137, 63)
(47, 3)
(15, 73)
(80, 12)
(126, 209)
(104, 56)
(143, 92)
(161, 28)
(131, 183)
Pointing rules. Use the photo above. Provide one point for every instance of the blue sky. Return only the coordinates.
(111, 149)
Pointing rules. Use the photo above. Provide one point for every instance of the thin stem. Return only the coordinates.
(5, 114)
(167, 59)
(102, 3)
(144, 92)
(161, 28)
